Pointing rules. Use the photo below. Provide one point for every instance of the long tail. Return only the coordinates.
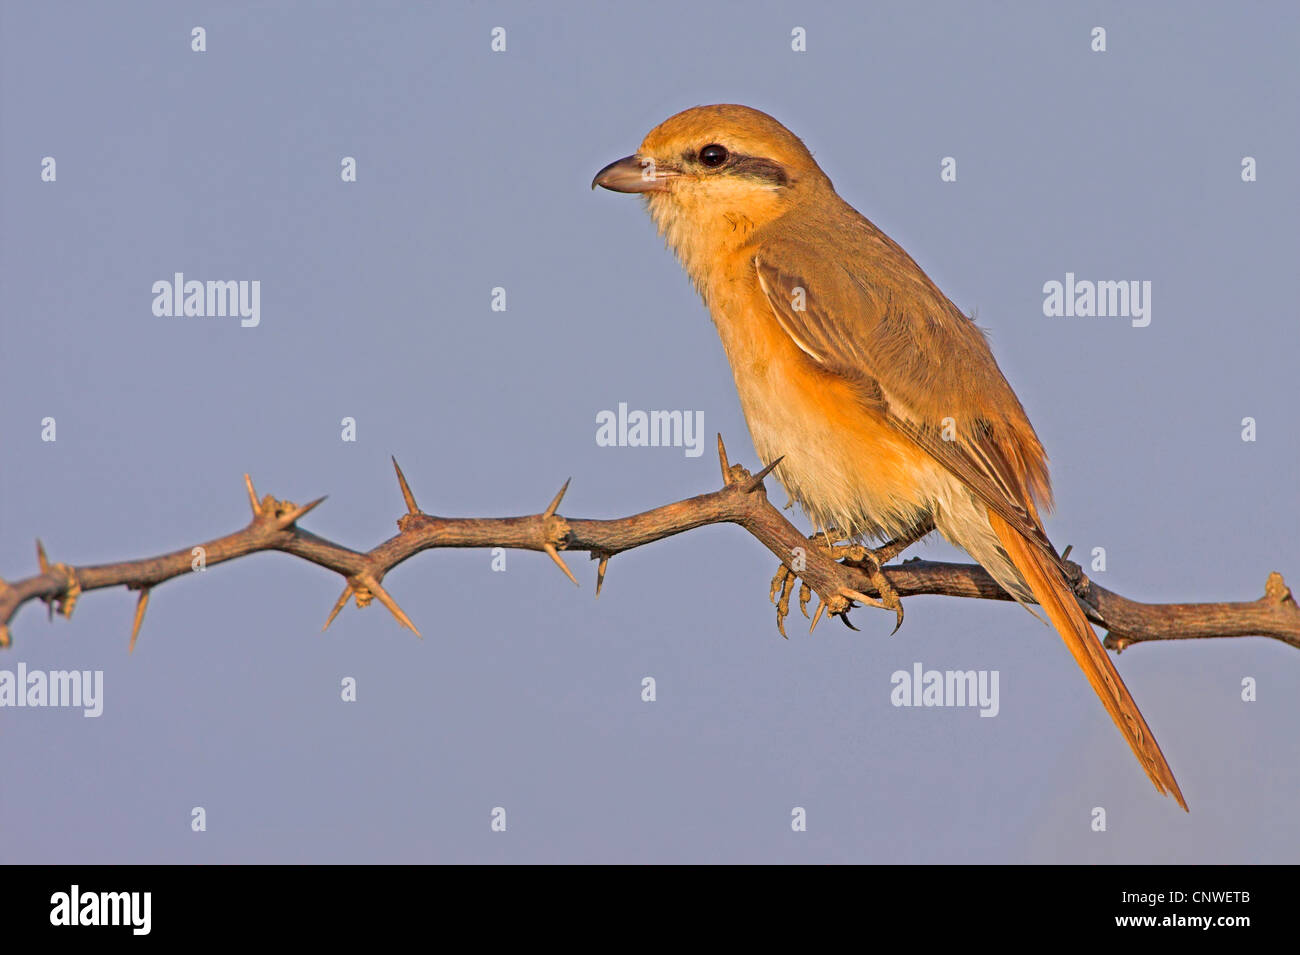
(1054, 595)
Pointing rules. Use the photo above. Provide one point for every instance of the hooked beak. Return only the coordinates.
(633, 174)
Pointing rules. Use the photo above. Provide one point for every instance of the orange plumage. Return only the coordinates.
(883, 398)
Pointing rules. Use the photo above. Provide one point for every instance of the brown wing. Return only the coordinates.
(896, 335)
(918, 361)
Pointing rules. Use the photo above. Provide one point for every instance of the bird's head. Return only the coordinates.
(711, 175)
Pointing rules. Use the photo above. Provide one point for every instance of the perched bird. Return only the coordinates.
(882, 399)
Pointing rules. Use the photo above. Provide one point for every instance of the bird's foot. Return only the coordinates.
(871, 562)
(855, 555)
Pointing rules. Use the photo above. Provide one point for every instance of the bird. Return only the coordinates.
(881, 398)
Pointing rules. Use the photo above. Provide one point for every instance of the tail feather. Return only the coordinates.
(1056, 598)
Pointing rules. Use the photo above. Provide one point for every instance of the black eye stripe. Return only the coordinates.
(756, 167)
(768, 171)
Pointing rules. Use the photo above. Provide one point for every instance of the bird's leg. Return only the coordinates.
(887, 552)
(870, 561)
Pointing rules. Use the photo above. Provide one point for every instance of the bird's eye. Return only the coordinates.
(713, 155)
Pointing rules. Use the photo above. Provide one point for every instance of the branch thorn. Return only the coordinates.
(555, 555)
(757, 480)
(550, 510)
(411, 506)
(384, 598)
(252, 497)
(821, 607)
(286, 520)
(338, 605)
(140, 606)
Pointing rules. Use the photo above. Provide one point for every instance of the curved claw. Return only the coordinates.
(777, 581)
(891, 602)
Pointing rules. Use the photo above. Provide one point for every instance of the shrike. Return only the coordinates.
(884, 400)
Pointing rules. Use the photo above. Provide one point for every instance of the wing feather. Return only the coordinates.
(926, 362)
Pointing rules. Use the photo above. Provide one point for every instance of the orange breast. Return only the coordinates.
(843, 463)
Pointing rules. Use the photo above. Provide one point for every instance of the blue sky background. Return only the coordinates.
(473, 172)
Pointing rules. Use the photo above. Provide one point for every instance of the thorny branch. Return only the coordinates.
(742, 500)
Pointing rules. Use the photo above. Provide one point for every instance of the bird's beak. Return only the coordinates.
(633, 174)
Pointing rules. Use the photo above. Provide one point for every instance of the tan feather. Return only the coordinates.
(1054, 595)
